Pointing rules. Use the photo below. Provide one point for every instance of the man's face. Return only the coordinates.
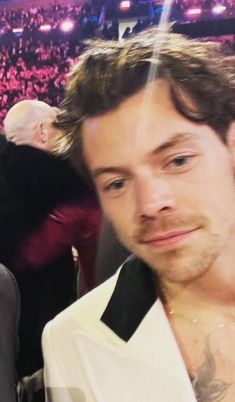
(165, 183)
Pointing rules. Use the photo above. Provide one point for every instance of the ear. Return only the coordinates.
(43, 134)
(231, 140)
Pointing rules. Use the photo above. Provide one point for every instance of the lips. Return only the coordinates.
(169, 239)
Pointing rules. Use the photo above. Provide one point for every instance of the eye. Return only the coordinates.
(179, 163)
(181, 160)
(115, 185)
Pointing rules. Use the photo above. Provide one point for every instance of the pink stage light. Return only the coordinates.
(67, 26)
(46, 27)
(194, 11)
(125, 5)
(218, 9)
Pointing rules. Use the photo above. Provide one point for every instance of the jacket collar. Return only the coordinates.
(133, 296)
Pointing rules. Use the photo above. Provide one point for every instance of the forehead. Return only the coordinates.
(140, 124)
(133, 113)
(154, 97)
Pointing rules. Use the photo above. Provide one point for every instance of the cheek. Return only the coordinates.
(218, 203)
(214, 187)
(119, 214)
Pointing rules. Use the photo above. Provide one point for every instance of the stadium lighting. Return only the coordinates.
(67, 26)
(46, 27)
(194, 11)
(17, 30)
(218, 9)
(125, 5)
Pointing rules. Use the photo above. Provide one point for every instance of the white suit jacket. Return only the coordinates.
(115, 345)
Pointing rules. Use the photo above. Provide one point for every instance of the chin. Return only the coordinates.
(176, 266)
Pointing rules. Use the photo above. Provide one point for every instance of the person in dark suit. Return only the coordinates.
(45, 210)
(10, 315)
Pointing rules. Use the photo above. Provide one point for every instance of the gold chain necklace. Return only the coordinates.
(195, 320)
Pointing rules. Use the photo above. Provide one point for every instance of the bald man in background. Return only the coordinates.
(30, 122)
(45, 209)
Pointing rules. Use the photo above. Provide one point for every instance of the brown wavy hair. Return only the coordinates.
(108, 72)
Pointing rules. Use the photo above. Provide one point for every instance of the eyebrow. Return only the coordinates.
(172, 142)
(112, 169)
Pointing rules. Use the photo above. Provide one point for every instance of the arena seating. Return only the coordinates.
(34, 64)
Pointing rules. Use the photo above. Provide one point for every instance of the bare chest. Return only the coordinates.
(210, 361)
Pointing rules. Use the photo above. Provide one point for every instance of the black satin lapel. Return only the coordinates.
(134, 294)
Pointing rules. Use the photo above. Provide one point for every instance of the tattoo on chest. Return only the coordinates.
(206, 386)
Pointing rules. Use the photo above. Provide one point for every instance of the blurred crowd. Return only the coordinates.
(34, 17)
(33, 67)
(54, 14)
(180, 7)
(35, 70)
(31, 70)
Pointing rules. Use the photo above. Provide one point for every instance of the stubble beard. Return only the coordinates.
(181, 264)
(185, 262)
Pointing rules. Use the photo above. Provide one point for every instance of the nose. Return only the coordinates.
(154, 197)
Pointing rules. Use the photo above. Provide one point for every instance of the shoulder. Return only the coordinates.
(9, 303)
(8, 288)
(86, 311)
(63, 339)
(9, 313)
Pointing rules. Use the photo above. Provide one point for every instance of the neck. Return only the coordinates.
(215, 288)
